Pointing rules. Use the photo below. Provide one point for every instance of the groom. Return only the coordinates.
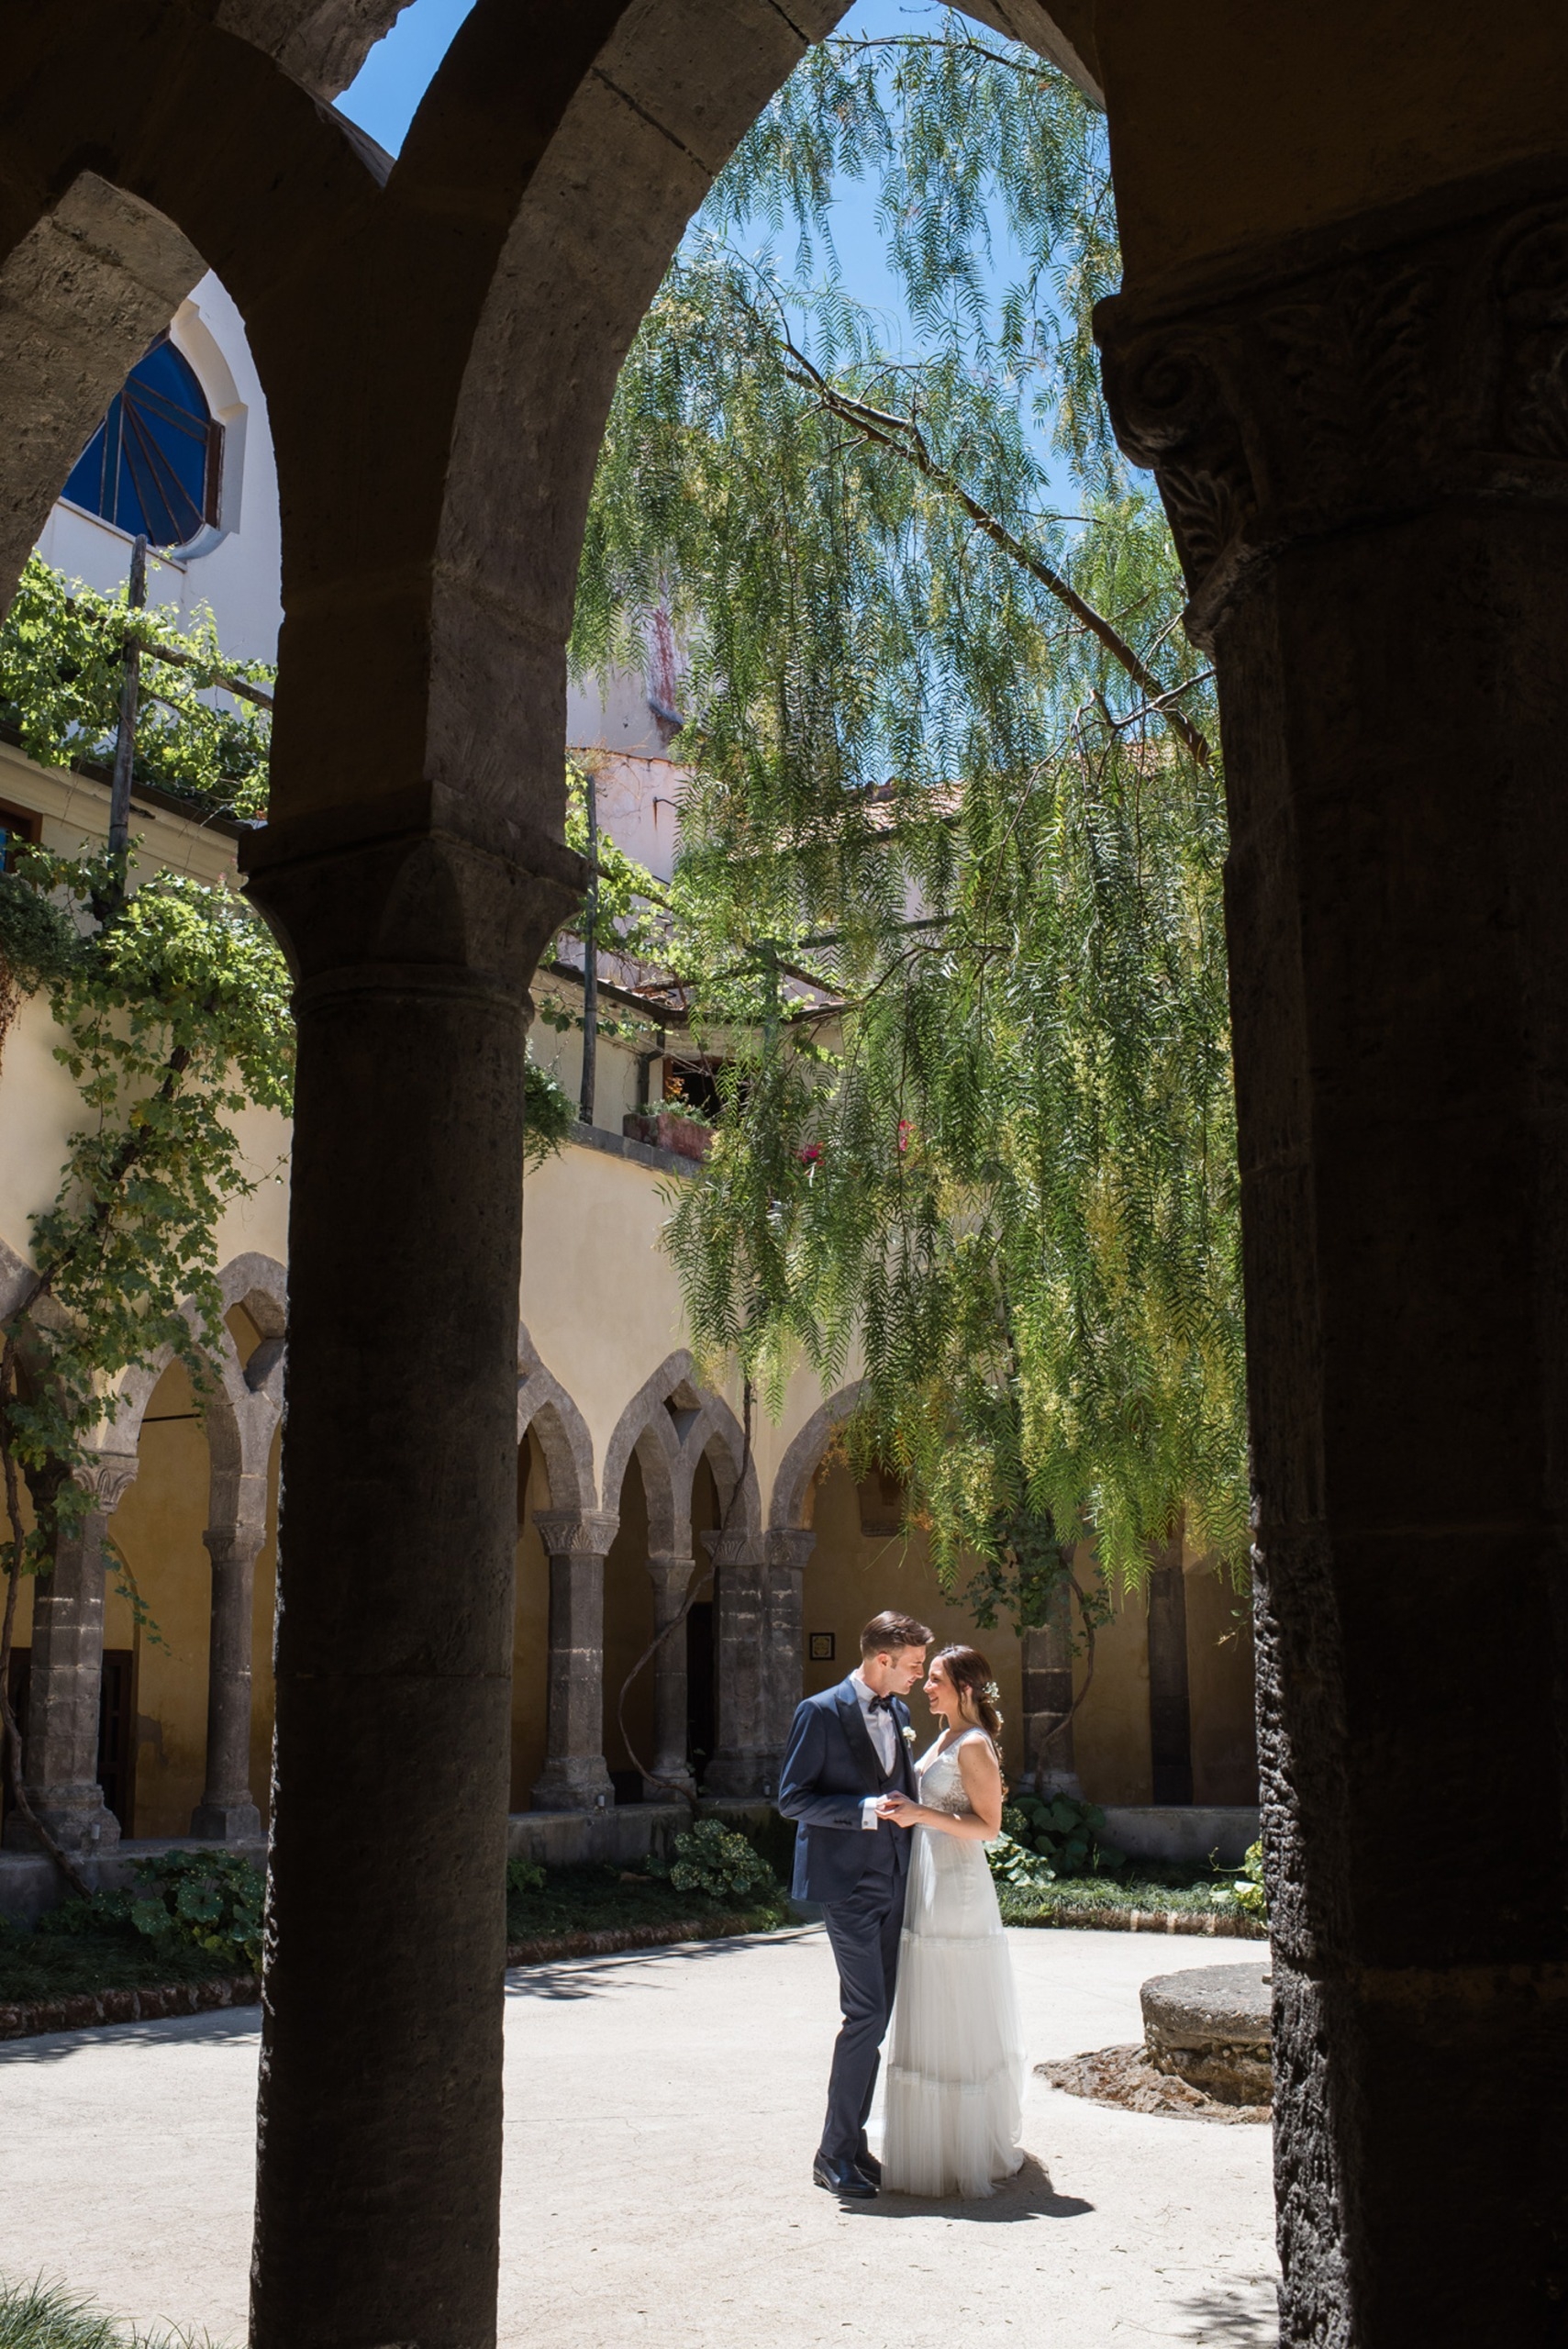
(847, 1751)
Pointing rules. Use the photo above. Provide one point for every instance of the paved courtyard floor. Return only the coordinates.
(661, 2112)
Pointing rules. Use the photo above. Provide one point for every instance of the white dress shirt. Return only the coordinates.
(882, 1730)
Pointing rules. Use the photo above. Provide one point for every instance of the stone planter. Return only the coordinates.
(662, 1130)
(1211, 2026)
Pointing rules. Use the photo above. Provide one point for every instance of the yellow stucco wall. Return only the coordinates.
(851, 1576)
(1110, 1735)
(602, 1305)
(628, 1628)
(1219, 1673)
(158, 1527)
(531, 1633)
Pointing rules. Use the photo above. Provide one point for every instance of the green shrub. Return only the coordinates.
(205, 1900)
(709, 1858)
(42, 2316)
(1246, 1892)
(1042, 1840)
(773, 1840)
(524, 1875)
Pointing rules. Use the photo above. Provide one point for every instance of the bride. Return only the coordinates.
(954, 2079)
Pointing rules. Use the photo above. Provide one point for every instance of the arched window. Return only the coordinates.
(155, 461)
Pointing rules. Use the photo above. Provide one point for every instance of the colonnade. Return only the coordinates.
(758, 1575)
(65, 1672)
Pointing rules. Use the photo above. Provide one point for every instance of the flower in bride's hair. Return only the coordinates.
(991, 1694)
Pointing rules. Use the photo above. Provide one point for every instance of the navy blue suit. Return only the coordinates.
(829, 1769)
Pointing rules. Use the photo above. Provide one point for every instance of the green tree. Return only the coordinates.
(954, 830)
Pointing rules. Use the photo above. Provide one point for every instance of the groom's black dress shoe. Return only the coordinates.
(869, 2166)
(843, 2177)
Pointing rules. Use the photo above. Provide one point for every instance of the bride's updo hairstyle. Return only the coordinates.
(970, 1675)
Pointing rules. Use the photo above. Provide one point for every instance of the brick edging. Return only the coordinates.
(1217, 1925)
(85, 2007)
(621, 1937)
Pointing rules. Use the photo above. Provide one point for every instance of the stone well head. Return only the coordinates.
(1211, 2025)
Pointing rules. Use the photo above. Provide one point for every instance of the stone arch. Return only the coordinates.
(249, 1393)
(795, 1476)
(647, 1429)
(718, 1437)
(544, 1405)
(94, 261)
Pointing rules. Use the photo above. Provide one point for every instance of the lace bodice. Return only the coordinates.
(941, 1779)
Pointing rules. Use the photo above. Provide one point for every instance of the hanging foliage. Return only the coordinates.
(950, 756)
(60, 670)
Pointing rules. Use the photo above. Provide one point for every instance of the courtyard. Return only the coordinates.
(661, 2108)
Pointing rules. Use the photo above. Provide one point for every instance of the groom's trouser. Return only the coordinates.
(865, 1931)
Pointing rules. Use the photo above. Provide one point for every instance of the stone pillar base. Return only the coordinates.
(1061, 1782)
(227, 1823)
(748, 1773)
(74, 1816)
(668, 1784)
(574, 1785)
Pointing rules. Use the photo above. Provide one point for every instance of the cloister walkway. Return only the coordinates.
(661, 2108)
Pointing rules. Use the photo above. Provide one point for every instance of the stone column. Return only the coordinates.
(575, 1776)
(1170, 1706)
(226, 1812)
(65, 1677)
(783, 1635)
(414, 934)
(1048, 1697)
(743, 1758)
(671, 1571)
(1362, 443)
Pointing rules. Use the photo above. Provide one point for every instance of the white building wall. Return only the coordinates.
(234, 568)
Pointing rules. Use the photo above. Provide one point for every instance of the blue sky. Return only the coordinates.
(397, 72)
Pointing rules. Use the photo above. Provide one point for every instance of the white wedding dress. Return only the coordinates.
(955, 2067)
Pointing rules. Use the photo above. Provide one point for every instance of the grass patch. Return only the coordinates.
(46, 2316)
(596, 1898)
(36, 1967)
(1081, 1896)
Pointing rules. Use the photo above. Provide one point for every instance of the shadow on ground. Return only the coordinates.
(53, 2046)
(1232, 2317)
(591, 1977)
(1029, 2195)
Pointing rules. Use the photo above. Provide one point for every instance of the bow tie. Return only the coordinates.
(880, 1705)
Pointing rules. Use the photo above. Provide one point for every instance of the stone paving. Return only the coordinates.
(663, 2108)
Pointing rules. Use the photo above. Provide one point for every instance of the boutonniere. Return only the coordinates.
(907, 1734)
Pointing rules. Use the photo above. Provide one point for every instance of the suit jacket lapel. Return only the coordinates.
(906, 1753)
(861, 1746)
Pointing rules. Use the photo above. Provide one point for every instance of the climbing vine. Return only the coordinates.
(170, 1006)
(62, 648)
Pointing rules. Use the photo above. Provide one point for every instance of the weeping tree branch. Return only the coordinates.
(902, 437)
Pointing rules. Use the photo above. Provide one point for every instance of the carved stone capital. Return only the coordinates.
(671, 1574)
(420, 894)
(574, 1533)
(227, 1543)
(746, 1548)
(1413, 360)
(789, 1547)
(107, 1478)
